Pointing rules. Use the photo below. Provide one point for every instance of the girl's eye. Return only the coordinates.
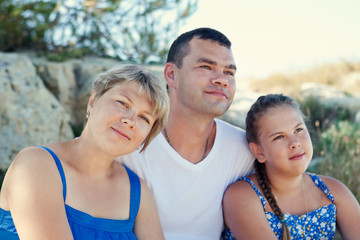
(278, 137)
(299, 129)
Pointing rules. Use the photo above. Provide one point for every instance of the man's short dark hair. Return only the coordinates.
(180, 47)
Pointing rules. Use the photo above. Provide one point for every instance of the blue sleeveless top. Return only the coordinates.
(318, 224)
(83, 225)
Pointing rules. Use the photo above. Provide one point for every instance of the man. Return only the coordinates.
(189, 165)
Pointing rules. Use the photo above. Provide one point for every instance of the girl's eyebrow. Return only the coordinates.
(276, 133)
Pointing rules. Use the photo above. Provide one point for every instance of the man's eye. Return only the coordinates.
(205, 67)
(230, 73)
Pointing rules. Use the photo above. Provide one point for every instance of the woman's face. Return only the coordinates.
(121, 118)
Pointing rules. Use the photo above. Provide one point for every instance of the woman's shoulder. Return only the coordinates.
(32, 171)
(31, 158)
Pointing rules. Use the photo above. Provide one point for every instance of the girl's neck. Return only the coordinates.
(287, 186)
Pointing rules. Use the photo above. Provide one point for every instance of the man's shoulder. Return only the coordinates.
(229, 130)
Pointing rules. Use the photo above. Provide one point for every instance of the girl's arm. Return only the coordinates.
(33, 193)
(147, 223)
(244, 214)
(347, 208)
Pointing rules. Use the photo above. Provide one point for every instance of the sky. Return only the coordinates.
(283, 36)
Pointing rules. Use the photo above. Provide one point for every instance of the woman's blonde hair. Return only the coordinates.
(148, 83)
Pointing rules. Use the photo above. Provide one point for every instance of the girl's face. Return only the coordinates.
(120, 119)
(284, 141)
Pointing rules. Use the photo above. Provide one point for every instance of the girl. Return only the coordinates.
(75, 189)
(281, 200)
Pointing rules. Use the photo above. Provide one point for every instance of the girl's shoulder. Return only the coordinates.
(243, 188)
(338, 189)
(332, 183)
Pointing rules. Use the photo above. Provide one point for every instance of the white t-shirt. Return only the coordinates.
(189, 196)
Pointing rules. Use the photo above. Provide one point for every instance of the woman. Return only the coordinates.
(75, 189)
(281, 200)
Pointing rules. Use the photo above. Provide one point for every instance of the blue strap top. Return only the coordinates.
(317, 224)
(83, 225)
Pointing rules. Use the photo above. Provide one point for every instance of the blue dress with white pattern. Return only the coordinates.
(317, 224)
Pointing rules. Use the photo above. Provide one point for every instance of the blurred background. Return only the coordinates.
(283, 36)
(51, 51)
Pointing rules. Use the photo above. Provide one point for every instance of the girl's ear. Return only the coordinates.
(91, 101)
(257, 152)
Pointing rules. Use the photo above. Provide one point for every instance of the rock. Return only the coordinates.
(29, 114)
(330, 96)
(59, 78)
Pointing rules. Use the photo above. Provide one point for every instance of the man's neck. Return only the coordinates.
(193, 141)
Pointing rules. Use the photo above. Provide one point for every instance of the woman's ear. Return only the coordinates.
(257, 152)
(91, 101)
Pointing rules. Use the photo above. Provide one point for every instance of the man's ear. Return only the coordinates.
(169, 74)
(257, 152)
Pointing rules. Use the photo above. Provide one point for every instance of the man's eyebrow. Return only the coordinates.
(209, 61)
(206, 60)
(231, 66)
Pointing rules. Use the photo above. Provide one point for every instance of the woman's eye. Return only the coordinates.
(145, 119)
(122, 103)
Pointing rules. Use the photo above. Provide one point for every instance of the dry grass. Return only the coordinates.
(331, 74)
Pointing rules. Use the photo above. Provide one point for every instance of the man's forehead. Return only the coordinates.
(211, 51)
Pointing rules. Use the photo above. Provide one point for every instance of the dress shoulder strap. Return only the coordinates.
(60, 169)
(261, 197)
(321, 185)
(135, 193)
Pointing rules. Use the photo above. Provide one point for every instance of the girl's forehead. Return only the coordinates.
(280, 116)
(281, 109)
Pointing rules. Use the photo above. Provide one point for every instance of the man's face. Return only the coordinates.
(205, 83)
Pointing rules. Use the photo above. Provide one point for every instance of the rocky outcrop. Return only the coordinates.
(29, 112)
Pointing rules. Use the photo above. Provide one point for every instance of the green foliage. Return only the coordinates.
(340, 154)
(336, 142)
(321, 117)
(67, 54)
(137, 31)
(23, 25)
(2, 175)
(77, 130)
